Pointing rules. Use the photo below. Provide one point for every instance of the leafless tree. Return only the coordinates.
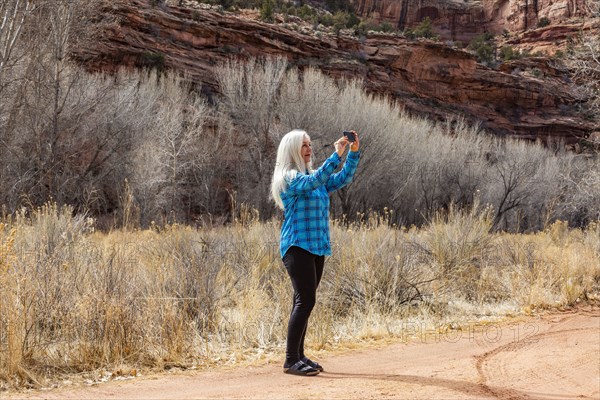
(249, 99)
(13, 14)
(57, 108)
(66, 132)
(176, 156)
(580, 202)
(325, 107)
(80, 138)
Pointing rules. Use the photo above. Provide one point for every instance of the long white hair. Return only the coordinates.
(289, 162)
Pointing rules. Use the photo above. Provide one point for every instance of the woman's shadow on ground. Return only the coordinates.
(479, 390)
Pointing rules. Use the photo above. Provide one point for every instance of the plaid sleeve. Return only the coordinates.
(344, 177)
(302, 184)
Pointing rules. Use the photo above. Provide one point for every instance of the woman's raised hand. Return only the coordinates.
(340, 145)
(354, 146)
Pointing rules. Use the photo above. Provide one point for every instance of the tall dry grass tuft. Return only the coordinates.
(9, 341)
(457, 241)
(77, 301)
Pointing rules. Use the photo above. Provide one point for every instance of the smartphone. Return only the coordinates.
(349, 135)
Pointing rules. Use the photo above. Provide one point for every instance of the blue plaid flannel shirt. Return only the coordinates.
(306, 205)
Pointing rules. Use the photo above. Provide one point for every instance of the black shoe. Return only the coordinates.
(313, 364)
(301, 368)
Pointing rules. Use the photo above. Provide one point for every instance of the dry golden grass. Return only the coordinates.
(76, 301)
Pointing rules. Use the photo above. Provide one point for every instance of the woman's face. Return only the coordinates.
(306, 150)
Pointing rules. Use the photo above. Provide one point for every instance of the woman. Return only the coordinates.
(302, 193)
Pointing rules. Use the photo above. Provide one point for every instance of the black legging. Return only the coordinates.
(305, 270)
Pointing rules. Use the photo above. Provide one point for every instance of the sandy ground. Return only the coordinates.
(555, 356)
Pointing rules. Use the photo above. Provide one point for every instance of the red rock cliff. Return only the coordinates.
(426, 77)
(462, 20)
(525, 14)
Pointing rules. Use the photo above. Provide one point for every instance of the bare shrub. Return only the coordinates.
(547, 267)
(593, 7)
(250, 98)
(415, 166)
(581, 202)
(139, 127)
(394, 164)
(458, 237)
(304, 96)
(325, 108)
(60, 138)
(80, 301)
(189, 275)
(173, 150)
(73, 154)
(523, 179)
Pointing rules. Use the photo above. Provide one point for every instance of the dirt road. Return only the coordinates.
(555, 356)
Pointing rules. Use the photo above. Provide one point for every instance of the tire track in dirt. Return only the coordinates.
(564, 377)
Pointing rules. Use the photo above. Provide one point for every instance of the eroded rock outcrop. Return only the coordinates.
(463, 20)
(454, 20)
(526, 14)
(427, 77)
(553, 38)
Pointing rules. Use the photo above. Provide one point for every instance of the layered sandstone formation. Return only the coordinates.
(525, 14)
(452, 19)
(428, 78)
(553, 38)
(464, 19)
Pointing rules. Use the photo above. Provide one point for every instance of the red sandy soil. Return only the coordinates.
(553, 356)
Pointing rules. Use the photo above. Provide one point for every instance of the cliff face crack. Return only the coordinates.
(526, 21)
(403, 14)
